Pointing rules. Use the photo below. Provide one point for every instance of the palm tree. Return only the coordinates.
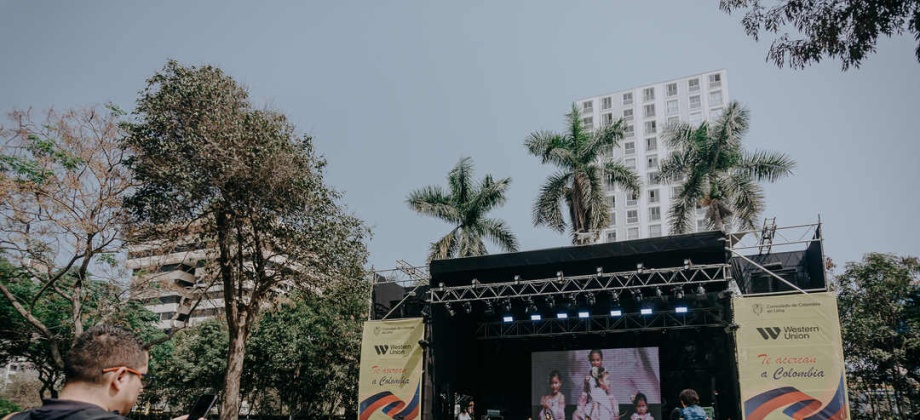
(579, 182)
(717, 173)
(465, 206)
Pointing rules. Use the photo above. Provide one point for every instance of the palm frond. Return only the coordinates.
(681, 136)
(550, 148)
(459, 179)
(498, 232)
(729, 129)
(595, 200)
(547, 208)
(444, 248)
(490, 193)
(433, 201)
(683, 207)
(604, 139)
(766, 166)
(746, 198)
(676, 166)
(618, 174)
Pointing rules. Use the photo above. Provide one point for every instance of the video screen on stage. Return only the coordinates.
(600, 384)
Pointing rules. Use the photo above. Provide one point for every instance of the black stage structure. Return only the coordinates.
(673, 293)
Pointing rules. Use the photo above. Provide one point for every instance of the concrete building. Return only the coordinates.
(647, 110)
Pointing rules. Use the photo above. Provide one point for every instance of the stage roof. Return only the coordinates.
(663, 252)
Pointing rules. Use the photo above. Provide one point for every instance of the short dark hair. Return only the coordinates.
(598, 351)
(639, 397)
(555, 374)
(102, 347)
(689, 397)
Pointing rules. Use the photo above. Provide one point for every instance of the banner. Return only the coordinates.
(790, 357)
(390, 383)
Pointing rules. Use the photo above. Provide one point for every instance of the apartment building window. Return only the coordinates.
(629, 148)
(654, 178)
(632, 233)
(651, 144)
(715, 80)
(613, 218)
(672, 107)
(632, 199)
(587, 106)
(673, 120)
(715, 98)
(654, 196)
(651, 127)
(648, 94)
(695, 102)
(630, 163)
(627, 98)
(613, 202)
(649, 110)
(654, 214)
(651, 162)
(629, 130)
(611, 236)
(693, 85)
(696, 118)
(606, 103)
(588, 123)
(607, 118)
(654, 231)
(672, 89)
(715, 112)
(628, 114)
(632, 216)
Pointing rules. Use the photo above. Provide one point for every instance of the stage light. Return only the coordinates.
(560, 276)
(573, 301)
(616, 312)
(550, 302)
(535, 317)
(700, 290)
(679, 292)
(441, 285)
(562, 315)
(533, 308)
(658, 292)
(614, 296)
(507, 318)
(640, 267)
(600, 270)
(490, 310)
(590, 299)
(450, 310)
(687, 264)
(506, 305)
(517, 278)
(680, 309)
(637, 295)
(475, 282)
(645, 311)
(584, 314)
(467, 307)
(529, 307)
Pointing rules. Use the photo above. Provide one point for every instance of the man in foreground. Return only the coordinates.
(104, 374)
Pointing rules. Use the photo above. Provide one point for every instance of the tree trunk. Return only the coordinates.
(230, 406)
(716, 214)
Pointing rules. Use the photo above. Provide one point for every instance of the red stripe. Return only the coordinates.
(783, 400)
(383, 402)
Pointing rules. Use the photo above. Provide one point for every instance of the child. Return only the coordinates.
(640, 403)
(690, 400)
(554, 403)
(597, 401)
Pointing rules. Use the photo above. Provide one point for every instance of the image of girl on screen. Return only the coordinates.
(597, 401)
(554, 403)
(640, 404)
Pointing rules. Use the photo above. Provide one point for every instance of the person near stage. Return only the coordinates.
(640, 404)
(554, 403)
(597, 401)
(467, 413)
(104, 374)
(690, 401)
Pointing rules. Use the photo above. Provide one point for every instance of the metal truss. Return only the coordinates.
(600, 282)
(710, 317)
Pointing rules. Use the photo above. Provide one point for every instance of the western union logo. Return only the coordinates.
(382, 349)
(769, 333)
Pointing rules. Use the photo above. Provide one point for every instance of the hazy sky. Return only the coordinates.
(397, 92)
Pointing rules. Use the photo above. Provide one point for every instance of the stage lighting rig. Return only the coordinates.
(467, 308)
(637, 295)
(678, 292)
(590, 300)
(450, 309)
(550, 302)
(506, 305)
(490, 309)
(573, 301)
(700, 290)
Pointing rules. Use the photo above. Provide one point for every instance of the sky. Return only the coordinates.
(396, 93)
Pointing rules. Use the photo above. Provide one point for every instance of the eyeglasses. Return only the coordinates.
(143, 376)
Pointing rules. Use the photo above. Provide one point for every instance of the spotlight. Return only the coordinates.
(506, 305)
(616, 312)
(441, 284)
(687, 264)
(590, 299)
(573, 301)
(584, 314)
(559, 275)
(614, 296)
(700, 290)
(600, 270)
(467, 307)
(532, 308)
(645, 311)
(529, 307)
(562, 315)
(450, 309)
(507, 318)
(550, 302)
(679, 292)
(535, 317)
(680, 309)
(490, 310)
(640, 267)
(658, 292)
(475, 282)
(637, 295)
(517, 278)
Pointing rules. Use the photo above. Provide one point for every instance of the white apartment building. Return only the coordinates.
(647, 110)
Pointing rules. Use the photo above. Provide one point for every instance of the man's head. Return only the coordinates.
(110, 361)
(689, 397)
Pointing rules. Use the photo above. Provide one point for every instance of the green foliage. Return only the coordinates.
(842, 29)
(465, 205)
(879, 306)
(7, 407)
(717, 173)
(580, 184)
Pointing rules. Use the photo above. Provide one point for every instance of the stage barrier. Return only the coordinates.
(790, 357)
(391, 370)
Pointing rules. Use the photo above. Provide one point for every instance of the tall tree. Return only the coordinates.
(718, 173)
(464, 205)
(879, 305)
(579, 183)
(840, 29)
(249, 187)
(61, 188)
